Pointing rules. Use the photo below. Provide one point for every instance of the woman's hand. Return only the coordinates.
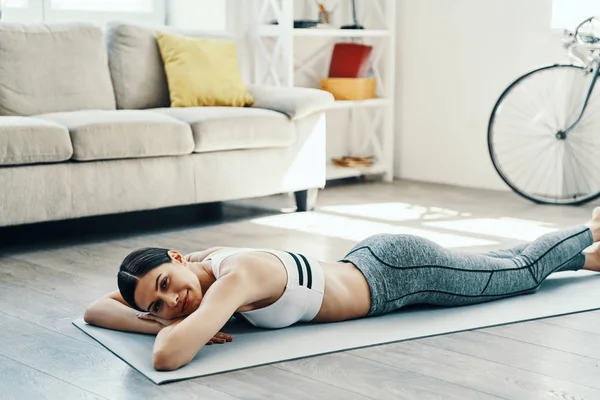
(164, 322)
(220, 338)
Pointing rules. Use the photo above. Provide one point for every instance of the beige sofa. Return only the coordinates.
(86, 129)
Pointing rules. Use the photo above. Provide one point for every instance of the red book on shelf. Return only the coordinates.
(350, 60)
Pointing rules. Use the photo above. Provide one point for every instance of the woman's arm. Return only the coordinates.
(112, 312)
(179, 343)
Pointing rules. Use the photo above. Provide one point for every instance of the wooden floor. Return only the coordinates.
(50, 272)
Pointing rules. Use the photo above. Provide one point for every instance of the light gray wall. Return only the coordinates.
(210, 15)
(454, 59)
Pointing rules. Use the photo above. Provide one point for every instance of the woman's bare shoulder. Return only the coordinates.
(251, 262)
(199, 256)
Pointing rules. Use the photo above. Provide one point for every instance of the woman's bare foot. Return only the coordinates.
(594, 224)
(592, 258)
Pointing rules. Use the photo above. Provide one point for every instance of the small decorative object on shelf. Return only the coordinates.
(353, 161)
(323, 14)
(350, 60)
(355, 25)
(300, 23)
(350, 88)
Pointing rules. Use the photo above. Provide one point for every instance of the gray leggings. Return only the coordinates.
(405, 269)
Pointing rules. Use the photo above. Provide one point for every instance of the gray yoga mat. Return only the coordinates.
(564, 293)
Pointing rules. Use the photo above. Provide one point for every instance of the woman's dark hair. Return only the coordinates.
(137, 264)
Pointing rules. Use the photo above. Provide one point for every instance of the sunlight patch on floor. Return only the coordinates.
(511, 228)
(394, 211)
(357, 229)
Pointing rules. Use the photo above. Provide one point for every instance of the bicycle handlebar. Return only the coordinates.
(590, 39)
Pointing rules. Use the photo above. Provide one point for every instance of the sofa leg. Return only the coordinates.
(306, 199)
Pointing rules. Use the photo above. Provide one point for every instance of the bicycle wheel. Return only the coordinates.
(526, 141)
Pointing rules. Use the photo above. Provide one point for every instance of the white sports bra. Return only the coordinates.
(303, 295)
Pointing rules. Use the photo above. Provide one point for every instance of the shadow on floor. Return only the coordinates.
(109, 227)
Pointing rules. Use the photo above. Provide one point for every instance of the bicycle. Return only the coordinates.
(544, 130)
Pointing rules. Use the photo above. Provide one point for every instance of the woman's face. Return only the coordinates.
(170, 290)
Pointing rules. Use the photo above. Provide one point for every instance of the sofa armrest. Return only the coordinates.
(295, 102)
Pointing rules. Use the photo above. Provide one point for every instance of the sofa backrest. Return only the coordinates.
(53, 67)
(136, 65)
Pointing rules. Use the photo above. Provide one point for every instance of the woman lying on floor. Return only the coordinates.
(186, 300)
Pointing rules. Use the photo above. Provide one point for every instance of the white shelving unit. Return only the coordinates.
(274, 30)
(288, 57)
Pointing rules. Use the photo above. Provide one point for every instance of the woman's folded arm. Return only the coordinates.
(112, 312)
(178, 344)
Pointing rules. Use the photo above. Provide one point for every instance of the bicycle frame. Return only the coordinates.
(594, 65)
(588, 94)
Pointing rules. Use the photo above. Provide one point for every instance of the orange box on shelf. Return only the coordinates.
(350, 88)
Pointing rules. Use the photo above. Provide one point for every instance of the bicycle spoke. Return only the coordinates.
(586, 126)
(524, 151)
(590, 112)
(575, 96)
(548, 172)
(519, 111)
(548, 104)
(584, 159)
(525, 130)
(507, 129)
(585, 141)
(551, 105)
(559, 173)
(535, 164)
(590, 115)
(574, 100)
(537, 107)
(588, 173)
(562, 174)
(532, 163)
(587, 167)
(508, 153)
(583, 173)
(556, 170)
(575, 179)
(518, 167)
(529, 118)
(530, 107)
(511, 143)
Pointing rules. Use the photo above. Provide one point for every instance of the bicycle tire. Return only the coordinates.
(497, 164)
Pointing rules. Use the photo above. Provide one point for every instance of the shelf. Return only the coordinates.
(337, 172)
(288, 56)
(275, 30)
(340, 104)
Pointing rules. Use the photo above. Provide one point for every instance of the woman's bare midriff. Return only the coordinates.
(347, 293)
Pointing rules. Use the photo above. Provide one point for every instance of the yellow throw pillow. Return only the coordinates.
(202, 72)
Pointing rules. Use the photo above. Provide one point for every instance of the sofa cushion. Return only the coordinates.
(25, 140)
(231, 128)
(103, 135)
(53, 67)
(136, 65)
(202, 72)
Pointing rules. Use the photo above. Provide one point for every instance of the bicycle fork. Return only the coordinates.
(588, 93)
